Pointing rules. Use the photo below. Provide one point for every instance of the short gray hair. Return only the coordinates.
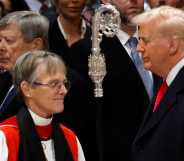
(169, 19)
(26, 66)
(32, 25)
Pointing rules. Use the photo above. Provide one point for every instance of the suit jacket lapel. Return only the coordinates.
(8, 99)
(152, 119)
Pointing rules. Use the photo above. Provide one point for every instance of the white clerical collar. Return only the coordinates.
(38, 120)
(83, 28)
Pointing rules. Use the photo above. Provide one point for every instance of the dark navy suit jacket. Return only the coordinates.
(10, 105)
(161, 135)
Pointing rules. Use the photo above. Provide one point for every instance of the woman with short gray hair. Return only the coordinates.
(34, 134)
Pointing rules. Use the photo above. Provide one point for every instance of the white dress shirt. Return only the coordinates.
(174, 71)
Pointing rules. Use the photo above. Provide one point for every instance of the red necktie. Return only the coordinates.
(160, 94)
(44, 132)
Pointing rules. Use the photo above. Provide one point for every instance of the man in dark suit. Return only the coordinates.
(161, 134)
(18, 34)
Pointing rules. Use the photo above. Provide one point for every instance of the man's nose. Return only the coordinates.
(3, 46)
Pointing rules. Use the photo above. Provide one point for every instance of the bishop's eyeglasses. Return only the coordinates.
(55, 85)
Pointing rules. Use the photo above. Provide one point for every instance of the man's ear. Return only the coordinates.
(174, 46)
(37, 43)
(105, 1)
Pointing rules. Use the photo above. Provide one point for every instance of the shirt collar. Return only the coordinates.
(124, 37)
(83, 28)
(174, 71)
(38, 120)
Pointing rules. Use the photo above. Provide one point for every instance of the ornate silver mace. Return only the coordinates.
(106, 21)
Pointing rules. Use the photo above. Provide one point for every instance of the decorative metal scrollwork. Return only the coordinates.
(106, 21)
